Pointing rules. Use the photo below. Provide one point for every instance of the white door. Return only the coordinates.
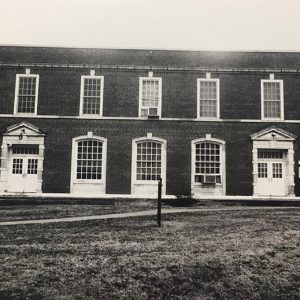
(23, 174)
(271, 171)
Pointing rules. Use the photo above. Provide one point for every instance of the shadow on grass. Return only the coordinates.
(181, 201)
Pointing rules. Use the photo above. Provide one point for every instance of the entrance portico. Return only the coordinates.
(273, 162)
(22, 156)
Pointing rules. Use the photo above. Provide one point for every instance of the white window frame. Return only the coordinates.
(221, 143)
(16, 102)
(83, 77)
(159, 79)
(280, 81)
(217, 80)
(163, 162)
(74, 159)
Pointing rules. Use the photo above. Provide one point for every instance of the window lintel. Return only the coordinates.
(210, 140)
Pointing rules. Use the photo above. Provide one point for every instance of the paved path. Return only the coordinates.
(135, 214)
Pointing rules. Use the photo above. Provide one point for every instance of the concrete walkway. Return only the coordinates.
(136, 214)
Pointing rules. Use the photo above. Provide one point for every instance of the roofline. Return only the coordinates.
(148, 48)
(151, 68)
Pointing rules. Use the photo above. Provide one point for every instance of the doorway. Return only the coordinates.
(271, 172)
(23, 169)
(22, 157)
(273, 162)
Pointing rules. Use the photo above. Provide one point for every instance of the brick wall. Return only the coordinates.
(59, 92)
(119, 134)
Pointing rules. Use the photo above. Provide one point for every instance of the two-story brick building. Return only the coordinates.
(100, 121)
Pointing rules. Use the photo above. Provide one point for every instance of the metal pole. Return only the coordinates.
(159, 202)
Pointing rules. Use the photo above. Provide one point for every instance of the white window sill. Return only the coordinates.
(25, 114)
(272, 119)
(208, 118)
(87, 181)
(201, 184)
(143, 182)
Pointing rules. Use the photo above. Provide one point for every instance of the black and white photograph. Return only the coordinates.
(149, 149)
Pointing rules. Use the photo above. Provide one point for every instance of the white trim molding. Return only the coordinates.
(88, 186)
(16, 101)
(217, 188)
(150, 78)
(262, 82)
(208, 79)
(21, 134)
(83, 78)
(274, 138)
(148, 187)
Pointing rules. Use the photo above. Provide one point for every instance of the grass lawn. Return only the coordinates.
(206, 255)
(47, 211)
(58, 209)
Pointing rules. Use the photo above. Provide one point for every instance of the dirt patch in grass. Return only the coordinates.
(211, 255)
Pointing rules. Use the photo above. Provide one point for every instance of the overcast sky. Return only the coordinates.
(171, 24)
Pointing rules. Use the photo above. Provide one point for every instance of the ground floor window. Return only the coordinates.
(208, 166)
(148, 161)
(207, 162)
(88, 174)
(89, 160)
(148, 164)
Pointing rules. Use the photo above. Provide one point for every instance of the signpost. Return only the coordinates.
(159, 202)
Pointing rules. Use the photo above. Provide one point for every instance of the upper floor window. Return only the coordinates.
(272, 99)
(91, 96)
(26, 94)
(208, 98)
(150, 97)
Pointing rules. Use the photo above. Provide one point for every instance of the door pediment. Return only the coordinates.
(23, 128)
(273, 133)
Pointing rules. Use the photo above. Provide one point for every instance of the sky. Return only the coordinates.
(156, 24)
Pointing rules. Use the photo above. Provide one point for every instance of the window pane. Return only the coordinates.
(266, 154)
(25, 149)
(271, 91)
(32, 166)
(17, 167)
(272, 109)
(277, 170)
(262, 170)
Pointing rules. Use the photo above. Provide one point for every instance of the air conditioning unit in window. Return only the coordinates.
(153, 113)
(209, 179)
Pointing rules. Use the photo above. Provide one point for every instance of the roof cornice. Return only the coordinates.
(149, 68)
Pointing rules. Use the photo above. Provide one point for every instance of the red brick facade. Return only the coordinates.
(240, 115)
